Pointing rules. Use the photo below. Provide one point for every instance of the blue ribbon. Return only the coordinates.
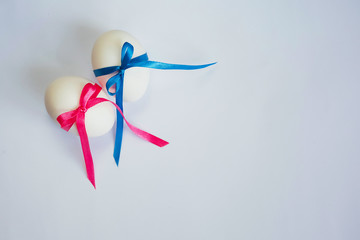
(127, 61)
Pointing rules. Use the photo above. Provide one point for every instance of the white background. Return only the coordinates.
(264, 145)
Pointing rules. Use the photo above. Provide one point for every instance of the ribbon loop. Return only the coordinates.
(127, 52)
(114, 80)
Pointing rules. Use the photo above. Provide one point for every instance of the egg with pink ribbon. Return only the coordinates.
(63, 95)
(82, 107)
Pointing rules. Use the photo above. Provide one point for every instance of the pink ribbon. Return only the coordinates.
(87, 100)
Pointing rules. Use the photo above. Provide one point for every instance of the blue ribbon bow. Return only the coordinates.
(127, 61)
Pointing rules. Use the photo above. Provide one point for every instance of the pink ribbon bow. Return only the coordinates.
(87, 100)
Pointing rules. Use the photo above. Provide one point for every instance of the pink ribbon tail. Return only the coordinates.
(142, 134)
(89, 164)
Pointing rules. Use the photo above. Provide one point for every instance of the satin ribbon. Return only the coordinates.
(88, 99)
(117, 80)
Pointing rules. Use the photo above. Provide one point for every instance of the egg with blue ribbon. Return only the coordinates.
(113, 77)
(107, 53)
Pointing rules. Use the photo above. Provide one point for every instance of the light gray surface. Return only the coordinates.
(265, 145)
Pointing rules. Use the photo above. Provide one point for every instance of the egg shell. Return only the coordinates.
(63, 95)
(107, 52)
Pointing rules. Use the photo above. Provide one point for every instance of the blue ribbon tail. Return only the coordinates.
(168, 66)
(119, 125)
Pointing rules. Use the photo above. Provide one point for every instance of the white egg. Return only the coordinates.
(107, 53)
(63, 95)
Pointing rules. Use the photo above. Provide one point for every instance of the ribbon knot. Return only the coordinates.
(127, 62)
(82, 109)
(88, 99)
